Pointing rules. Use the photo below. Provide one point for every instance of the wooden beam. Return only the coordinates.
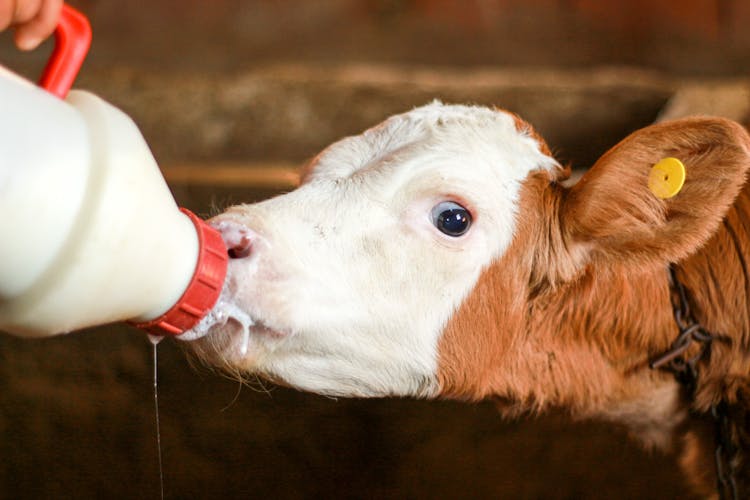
(253, 175)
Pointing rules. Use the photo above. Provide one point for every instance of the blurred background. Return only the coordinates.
(233, 95)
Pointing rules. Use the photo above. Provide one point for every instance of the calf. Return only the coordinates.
(439, 255)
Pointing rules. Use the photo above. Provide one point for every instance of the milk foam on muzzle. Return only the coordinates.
(225, 309)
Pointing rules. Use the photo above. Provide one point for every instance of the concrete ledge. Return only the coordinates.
(289, 113)
(727, 98)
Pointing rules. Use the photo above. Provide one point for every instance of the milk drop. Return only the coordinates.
(154, 342)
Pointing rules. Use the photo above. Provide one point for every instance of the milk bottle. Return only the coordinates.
(89, 231)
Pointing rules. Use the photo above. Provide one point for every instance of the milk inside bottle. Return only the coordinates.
(89, 233)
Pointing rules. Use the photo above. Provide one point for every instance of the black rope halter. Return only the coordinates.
(685, 370)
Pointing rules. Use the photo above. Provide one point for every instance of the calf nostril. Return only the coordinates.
(236, 238)
(241, 249)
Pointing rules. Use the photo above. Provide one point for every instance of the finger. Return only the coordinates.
(6, 14)
(31, 34)
(26, 11)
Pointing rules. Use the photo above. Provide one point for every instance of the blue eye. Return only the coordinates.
(451, 218)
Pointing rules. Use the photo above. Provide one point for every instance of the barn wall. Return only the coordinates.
(260, 85)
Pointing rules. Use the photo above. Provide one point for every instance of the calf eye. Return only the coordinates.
(451, 218)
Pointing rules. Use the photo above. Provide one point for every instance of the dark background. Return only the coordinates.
(255, 87)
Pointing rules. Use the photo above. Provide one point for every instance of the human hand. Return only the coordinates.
(33, 20)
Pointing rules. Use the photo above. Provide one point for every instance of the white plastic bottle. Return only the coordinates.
(89, 232)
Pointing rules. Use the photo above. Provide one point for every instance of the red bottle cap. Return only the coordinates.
(204, 288)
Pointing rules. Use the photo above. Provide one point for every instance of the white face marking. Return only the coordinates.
(349, 284)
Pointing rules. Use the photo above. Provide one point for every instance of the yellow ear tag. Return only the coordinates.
(666, 178)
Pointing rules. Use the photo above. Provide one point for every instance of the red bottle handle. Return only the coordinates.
(72, 42)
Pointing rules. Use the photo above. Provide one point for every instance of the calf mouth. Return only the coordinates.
(224, 332)
(229, 336)
(224, 319)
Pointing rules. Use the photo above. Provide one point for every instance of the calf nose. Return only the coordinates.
(236, 238)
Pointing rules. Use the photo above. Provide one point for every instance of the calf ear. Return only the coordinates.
(611, 213)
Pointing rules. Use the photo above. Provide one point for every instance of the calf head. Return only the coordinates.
(438, 254)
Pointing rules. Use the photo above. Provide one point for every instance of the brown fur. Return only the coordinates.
(571, 313)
